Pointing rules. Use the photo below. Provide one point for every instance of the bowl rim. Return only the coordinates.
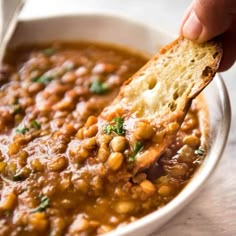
(194, 186)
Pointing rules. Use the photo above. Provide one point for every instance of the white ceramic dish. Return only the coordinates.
(123, 31)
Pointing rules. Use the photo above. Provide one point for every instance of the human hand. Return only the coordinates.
(206, 19)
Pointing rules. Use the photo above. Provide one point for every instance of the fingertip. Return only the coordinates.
(192, 27)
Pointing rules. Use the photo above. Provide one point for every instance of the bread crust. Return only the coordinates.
(149, 95)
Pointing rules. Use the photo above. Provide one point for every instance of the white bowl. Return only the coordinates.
(133, 35)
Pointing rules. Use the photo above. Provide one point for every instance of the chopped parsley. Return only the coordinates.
(23, 130)
(17, 177)
(35, 124)
(98, 87)
(45, 201)
(48, 51)
(17, 109)
(138, 146)
(117, 126)
(6, 213)
(42, 79)
(200, 151)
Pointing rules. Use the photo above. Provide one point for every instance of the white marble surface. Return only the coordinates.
(213, 212)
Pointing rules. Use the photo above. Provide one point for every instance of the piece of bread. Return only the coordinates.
(152, 104)
(161, 92)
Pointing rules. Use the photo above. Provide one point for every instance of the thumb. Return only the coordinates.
(206, 19)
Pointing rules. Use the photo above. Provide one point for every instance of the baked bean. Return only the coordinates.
(143, 130)
(22, 158)
(8, 200)
(81, 71)
(2, 166)
(81, 185)
(90, 143)
(148, 187)
(57, 164)
(82, 155)
(103, 153)
(192, 141)
(172, 128)
(186, 154)
(13, 148)
(103, 68)
(35, 87)
(38, 221)
(118, 144)
(164, 190)
(159, 136)
(104, 139)
(178, 170)
(91, 131)
(69, 77)
(36, 165)
(80, 134)
(125, 207)
(115, 160)
(90, 121)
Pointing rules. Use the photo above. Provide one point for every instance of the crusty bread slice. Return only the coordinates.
(161, 92)
(149, 110)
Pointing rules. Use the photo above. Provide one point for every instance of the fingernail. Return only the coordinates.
(192, 28)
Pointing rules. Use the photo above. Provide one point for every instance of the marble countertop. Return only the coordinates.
(213, 212)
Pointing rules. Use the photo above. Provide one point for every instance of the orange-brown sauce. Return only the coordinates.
(48, 184)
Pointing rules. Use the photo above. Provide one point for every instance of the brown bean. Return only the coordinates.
(192, 141)
(8, 201)
(2, 166)
(115, 160)
(178, 170)
(91, 131)
(104, 139)
(81, 185)
(38, 221)
(186, 154)
(103, 153)
(124, 207)
(90, 143)
(164, 190)
(90, 121)
(172, 128)
(118, 144)
(13, 148)
(57, 164)
(69, 77)
(143, 131)
(148, 187)
(36, 165)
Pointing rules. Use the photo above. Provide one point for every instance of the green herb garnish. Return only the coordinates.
(17, 177)
(35, 124)
(138, 146)
(22, 130)
(17, 110)
(48, 51)
(116, 126)
(45, 201)
(6, 213)
(42, 79)
(99, 87)
(200, 151)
